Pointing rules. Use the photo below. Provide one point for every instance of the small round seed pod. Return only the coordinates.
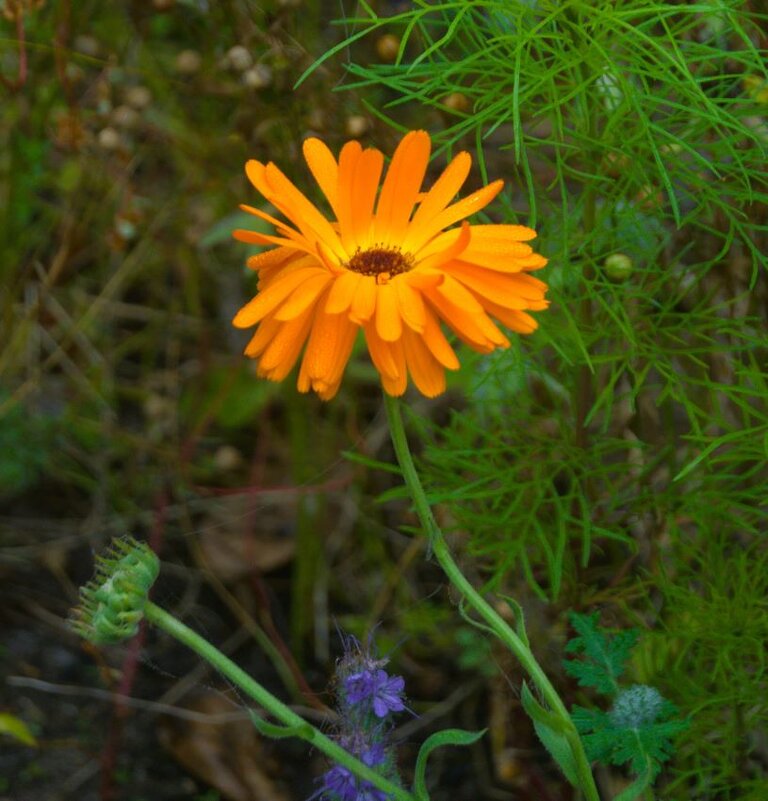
(618, 267)
(388, 46)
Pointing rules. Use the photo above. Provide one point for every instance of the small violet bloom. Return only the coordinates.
(343, 785)
(384, 691)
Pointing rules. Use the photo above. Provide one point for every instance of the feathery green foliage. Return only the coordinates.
(609, 455)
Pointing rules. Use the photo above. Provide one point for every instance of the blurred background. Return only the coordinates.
(616, 461)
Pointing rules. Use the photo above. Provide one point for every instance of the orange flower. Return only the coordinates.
(386, 265)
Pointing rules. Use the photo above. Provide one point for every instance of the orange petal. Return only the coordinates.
(509, 233)
(445, 247)
(365, 188)
(401, 187)
(306, 294)
(345, 198)
(435, 340)
(427, 373)
(265, 333)
(409, 303)
(464, 324)
(364, 301)
(281, 353)
(328, 349)
(323, 167)
(389, 324)
(305, 215)
(282, 227)
(458, 211)
(515, 320)
(382, 353)
(270, 259)
(342, 292)
(273, 295)
(439, 196)
(511, 291)
(460, 297)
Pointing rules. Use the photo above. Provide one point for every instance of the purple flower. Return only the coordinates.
(340, 784)
(339, 781)
(384, 691)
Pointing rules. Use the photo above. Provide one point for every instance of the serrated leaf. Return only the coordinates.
(550, 730)
(603, 656)
(441, 738)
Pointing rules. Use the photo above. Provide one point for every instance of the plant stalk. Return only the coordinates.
(491, 617)
(297, 725)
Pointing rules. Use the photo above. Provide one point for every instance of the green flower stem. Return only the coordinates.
(300, 728)
(491, 617)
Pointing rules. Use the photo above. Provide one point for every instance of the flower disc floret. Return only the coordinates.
(389, 262)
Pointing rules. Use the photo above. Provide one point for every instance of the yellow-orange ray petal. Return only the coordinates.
(463, 323)
(273, 295)
(439, 196)
(389, 324)
(303, 297)
(460, 297)
(409, 303)
(427, 373)
(508, 233)
(401, 187)
(513, 319)
(280, 355)
(282, 227)
(396, 385)
(366, 185)
(292, 202)
(458, 211)
(265, 333)
(435, 340)
(346, 197)
(255, 238)
(328, 349)
(445, 247)
(364, 300)
(510, 291)
(382, 353)
(342, 292)
(270, 259)
(323, 167)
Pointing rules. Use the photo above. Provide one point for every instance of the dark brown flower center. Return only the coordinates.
(380, 261)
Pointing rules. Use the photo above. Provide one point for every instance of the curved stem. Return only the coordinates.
(301, 728)
(491, 617)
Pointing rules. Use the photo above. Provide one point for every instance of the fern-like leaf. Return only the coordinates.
(601, 656)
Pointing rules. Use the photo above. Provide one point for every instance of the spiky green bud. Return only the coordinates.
(112, 603)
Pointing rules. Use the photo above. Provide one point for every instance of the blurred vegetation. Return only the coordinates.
(614, 461)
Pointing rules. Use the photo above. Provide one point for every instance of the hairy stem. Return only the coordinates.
(489, 615)
(298, 726)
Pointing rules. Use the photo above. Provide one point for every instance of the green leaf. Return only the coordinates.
(304, 731)
(441, 738)
(603, 656)
(16, 728)
(550, 729)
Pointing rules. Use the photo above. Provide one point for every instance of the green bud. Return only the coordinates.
(618, 267)
(112, 603)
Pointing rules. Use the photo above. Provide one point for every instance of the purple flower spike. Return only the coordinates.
(387, 694)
